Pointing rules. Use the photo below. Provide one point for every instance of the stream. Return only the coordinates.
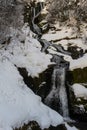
(57, 97)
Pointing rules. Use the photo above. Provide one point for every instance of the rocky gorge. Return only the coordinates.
(56, 84)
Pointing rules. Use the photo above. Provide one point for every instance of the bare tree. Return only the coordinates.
(63, 10)
(10, 16)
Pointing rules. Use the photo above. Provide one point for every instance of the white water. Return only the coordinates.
(62, 94)
(59, 91)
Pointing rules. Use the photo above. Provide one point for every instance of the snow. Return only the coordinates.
(58, 35)
(79, 90)
(81, 107)
(66, 36)
(78, 42)
(70, 128)
(25, 52)
(66, 57)
(79, 63)
(18, 104)
(63, 43)
(74, 63)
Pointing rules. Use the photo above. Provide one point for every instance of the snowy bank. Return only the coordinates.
(67, 37)
(78, 63)
(79, 90)
(25, 52)
(18, 104)
(74, 63)
(59, 35)
(70, 128)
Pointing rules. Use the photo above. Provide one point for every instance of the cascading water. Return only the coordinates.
(58, 92)
(57, 98)
(62, 94)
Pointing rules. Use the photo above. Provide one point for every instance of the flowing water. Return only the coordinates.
(57, 95)
(58, 92)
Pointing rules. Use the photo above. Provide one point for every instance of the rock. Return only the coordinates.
(79, 75)
(40, 85)
(34, 126)
(75, 52)
(77, 105)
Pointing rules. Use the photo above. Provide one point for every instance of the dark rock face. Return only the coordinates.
(10, 16)
(34, 126)
(77, 105)
(75, 54)
(40, 85)
(79, 75)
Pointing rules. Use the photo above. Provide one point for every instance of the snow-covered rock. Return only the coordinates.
(78, 101)
(79, 63)
(79, 90)
(18, 104)
(25, 52)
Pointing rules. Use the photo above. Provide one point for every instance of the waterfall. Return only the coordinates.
(58, 92)
(57, 98)
(62, 94)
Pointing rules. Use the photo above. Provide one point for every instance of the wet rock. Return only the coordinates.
(61, 49)
(75, 52)
(45, 44)
(79, 75)
(77, 105)
(40, 85)
(34, 126)
(60, 62)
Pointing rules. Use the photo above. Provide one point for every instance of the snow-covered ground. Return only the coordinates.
(58, 35)
(70, 128)
(79, 63)
(80, 93)
(78, 42)
(79, 90)
(74, 64)
(66, 37)
(25, 52)
(18, 104)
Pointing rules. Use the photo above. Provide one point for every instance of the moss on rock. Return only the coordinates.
(79, 75)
